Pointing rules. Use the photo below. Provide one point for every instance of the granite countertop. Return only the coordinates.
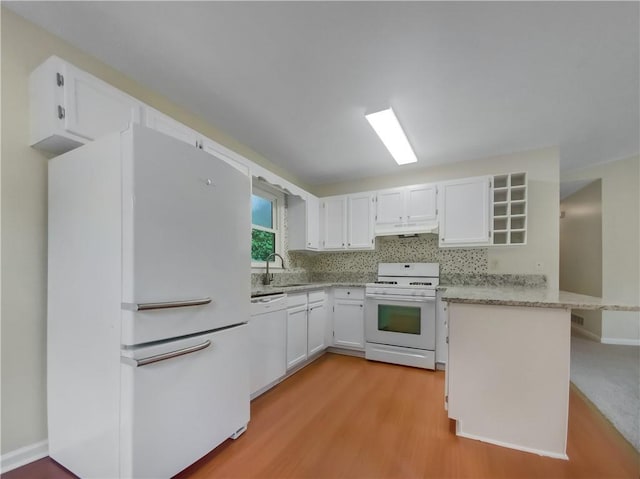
(530, 297)
(264, 290)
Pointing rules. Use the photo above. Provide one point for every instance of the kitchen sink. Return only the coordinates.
(294, 284)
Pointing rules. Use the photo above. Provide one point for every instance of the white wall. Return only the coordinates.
(581, 249)
(620, 243)
(543, 229)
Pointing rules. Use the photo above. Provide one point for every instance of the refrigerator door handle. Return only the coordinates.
(163, 357)
(165, 305)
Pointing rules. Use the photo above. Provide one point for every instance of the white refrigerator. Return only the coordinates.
(148, 304)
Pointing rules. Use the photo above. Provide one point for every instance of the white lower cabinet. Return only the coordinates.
(296, 335)
(348, 318)
(306, 326)
(316, 325)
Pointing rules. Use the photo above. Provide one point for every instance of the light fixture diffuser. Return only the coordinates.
(386, 125)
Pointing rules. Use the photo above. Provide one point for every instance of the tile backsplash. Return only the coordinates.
(394, 250)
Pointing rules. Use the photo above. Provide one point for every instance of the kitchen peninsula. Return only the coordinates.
(508, 364)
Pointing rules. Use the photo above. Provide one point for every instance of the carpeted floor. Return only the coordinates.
(609, 375)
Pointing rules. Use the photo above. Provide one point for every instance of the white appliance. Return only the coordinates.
(149, 276)
(400, 314)
(268, 330)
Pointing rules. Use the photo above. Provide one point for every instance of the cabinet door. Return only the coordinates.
(335, 222)
(360, 221)
(268, 348)
(317, 319)
(464, 212)
(211, 147)
(93, 108)
(296, 335)
(391, 207)
(313, 222)
(172, 219)
(206, 411)
(348, 326)
(421, 203)
(167, 125)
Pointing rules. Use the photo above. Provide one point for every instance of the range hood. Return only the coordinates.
(406, 229)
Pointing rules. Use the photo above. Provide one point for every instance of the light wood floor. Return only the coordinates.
(345, 417)
(351, 418)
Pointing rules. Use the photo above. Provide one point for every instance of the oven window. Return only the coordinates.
(399, 319)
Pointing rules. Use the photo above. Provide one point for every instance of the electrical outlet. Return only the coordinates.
(539, 266)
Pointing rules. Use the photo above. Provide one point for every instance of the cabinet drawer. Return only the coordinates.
(348, 293)
(317, 296)
(298, 299)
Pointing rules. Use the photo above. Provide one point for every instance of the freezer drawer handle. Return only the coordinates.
(166, 305)
(173, 354)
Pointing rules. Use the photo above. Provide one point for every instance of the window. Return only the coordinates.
(266, 224)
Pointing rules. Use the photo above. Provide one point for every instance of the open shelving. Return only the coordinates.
(510, 197)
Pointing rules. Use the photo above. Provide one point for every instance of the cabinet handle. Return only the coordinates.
(163, 357)
(165, 305)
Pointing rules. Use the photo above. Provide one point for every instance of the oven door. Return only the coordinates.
(401, 321)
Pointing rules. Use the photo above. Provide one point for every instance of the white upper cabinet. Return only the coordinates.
(303, 223)
(347, 222)
(70, 107)
(411, 209)
(391, 207)
(213, 148)
(360, 221)
(167, 125)
(421, 203)
(510, 209)
(465, 212)
(334, 211)
(313, 222)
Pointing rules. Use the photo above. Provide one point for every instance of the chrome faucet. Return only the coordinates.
(268, 278)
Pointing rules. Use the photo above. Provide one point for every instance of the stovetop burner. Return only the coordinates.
(395, 278)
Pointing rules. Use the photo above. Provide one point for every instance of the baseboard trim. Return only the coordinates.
(621, 341)
(346, 352)
(24, 455)
(584, 332)
(554, 455)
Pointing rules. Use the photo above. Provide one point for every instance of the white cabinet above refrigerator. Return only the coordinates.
(69, 107)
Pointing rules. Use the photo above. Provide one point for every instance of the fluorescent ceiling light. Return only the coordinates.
(388, 128)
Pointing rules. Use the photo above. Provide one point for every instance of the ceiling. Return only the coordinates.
(293, 80)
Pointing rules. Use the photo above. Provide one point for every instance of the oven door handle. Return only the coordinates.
(411, 299)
